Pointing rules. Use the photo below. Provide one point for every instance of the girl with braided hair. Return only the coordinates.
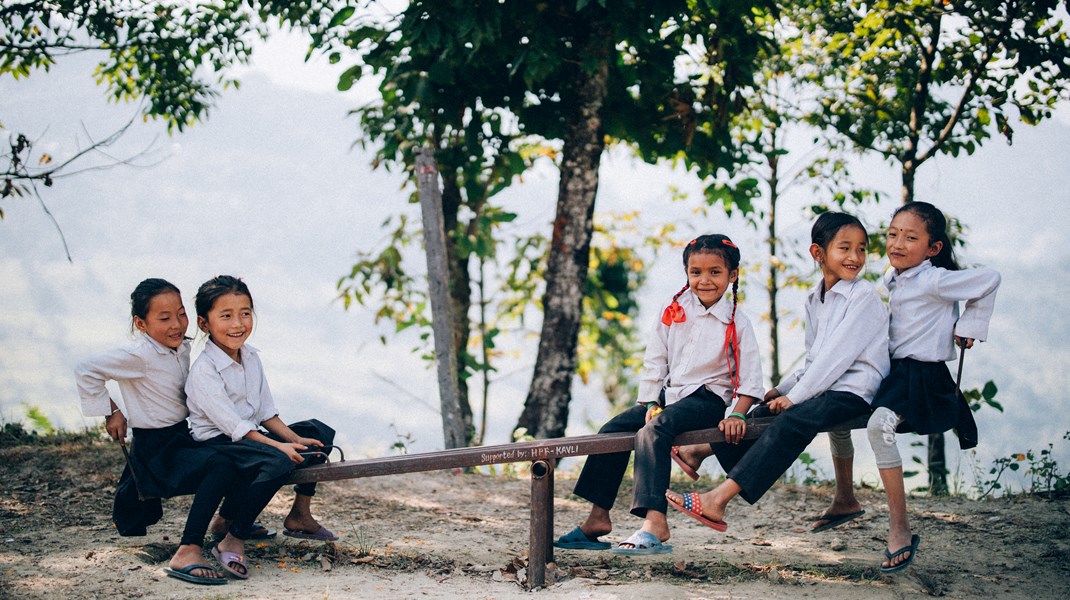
(846, 359)
(702, 355)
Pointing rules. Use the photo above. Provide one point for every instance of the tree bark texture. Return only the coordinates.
(460, 290)
(546, 408)
(441, 309)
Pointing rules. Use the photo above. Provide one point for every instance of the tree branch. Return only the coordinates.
(953, 120)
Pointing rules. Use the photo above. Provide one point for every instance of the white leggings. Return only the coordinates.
(881, 432)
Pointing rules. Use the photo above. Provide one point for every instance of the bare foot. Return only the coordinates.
(301, 522)
(694, 454)
(237, 546)
(838, 507)
(896, 541)
(656, 525)
(189, 554)
(219, 526)
(712, 509)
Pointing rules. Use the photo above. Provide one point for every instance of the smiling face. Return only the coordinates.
(709, 277)
(165, 321)
(844, 257)
(909, 242)
(229, 323)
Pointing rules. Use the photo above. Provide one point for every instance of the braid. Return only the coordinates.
(674, 313)
(681, 292)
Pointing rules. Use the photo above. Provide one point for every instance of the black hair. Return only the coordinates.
(718, 244)
(829, 224)
(722, 246)
(143, 294)
(936, 227)
(214, 288)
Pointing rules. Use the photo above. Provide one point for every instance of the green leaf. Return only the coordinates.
(349, 77)
(342, 16)
(989, 390)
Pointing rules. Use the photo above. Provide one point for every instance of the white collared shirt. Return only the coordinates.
(925, 312)
(685, 356)
(227, 397)
(151, 378)
(846, 343)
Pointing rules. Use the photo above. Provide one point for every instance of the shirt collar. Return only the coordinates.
(910, 273)
(161, 349)
(840, 288)
(722, 309)
(220, 360)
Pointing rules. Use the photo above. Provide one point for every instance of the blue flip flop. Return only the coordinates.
(912, 549)
(186, 574)
(645, 543)
(578, 540)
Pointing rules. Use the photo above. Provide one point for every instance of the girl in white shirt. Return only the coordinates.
(164, 460)
(925, 287)
(229, 401)
(702, 355)
(846, 358)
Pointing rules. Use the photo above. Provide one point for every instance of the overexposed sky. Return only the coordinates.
(271, 189)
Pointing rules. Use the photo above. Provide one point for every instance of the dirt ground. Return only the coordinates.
(452, 535)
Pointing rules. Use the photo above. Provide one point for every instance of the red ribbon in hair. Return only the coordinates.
(674, 313)
(731, 352)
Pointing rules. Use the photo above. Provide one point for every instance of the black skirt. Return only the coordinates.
(164, 463)
(925, 395)
(168, 462)
(259, 462)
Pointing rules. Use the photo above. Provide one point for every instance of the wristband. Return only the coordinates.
(740, 415)
(114, 411)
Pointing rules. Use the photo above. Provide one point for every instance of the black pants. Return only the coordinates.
(602, 474)
(756, 464)
(220, 475)
(263, 471)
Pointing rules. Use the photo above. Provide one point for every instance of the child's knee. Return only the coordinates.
(881, 432)
(881, 427)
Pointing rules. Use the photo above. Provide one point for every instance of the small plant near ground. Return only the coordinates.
(402, 441)
(1042, 470)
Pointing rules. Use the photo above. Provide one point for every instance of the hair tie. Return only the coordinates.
(674, 313)
(728, 242)
(692, 242)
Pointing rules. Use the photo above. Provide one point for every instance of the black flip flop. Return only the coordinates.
(835, 520)
(912, 549)
(186, 574)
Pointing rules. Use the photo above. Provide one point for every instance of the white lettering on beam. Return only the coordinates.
(525, 454)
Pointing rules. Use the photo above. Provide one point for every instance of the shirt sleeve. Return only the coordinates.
(655, 365)
(864, 318)
(92, 374)
(267, 401)
(207, 395)
(977, 287)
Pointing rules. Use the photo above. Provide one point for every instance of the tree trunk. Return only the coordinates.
(441, 304)
(937, 466)
(545, 412)
(460, 297)
(774, 268)
(908, 172)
